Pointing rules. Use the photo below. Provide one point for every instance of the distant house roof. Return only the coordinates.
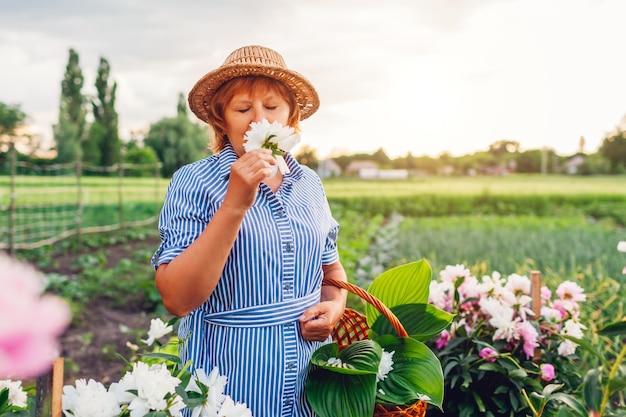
(328, 168)
(573, 164)
(356, 166)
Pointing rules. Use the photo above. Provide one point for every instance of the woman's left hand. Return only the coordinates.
(318, 321)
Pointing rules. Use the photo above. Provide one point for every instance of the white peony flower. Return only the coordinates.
(566, 348)
(490, 286)
(151, 383)
(574, 329)
(621, 246)
(441, 294)
(334, 362)
(158, 329)
(17, 396)
(215, 384)
(176, 407)
(385, 366)
(524, 306)
(452, 273)
(469, 289)
(230, 409)
(518, 284)
(274, 136)
(551, 314)
(89, 399)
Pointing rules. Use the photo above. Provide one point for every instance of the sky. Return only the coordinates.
(418, 76)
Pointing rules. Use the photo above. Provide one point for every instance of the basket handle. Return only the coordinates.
(382, 308)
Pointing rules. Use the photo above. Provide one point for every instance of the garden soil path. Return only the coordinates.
(90, 344)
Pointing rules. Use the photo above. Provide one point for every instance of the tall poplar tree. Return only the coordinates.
(104, 134)
(11, 118)
(69, 132)
(177, 140)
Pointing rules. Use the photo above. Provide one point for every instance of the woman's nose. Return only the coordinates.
(258, 113)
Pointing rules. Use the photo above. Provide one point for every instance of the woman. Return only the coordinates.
(243, 253)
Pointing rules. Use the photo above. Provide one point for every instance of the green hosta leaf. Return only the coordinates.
(421, 321)
(416, 373)
(361, 357)
(333, 394)
(404, 284)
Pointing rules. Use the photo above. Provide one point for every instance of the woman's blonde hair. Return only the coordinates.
(246, 84)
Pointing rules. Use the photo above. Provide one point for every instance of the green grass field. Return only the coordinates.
(62, 189)
(505, 185)
(49, 202)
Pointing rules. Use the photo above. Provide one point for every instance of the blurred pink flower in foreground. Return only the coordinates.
(30, 322)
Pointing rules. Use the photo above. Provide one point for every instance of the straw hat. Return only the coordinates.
(253, 60)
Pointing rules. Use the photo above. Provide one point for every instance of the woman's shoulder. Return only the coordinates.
(310, 175)
(202, 175)
(206, 168)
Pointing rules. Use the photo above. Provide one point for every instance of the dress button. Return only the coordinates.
(287, 286)
(291, 365)
(280, 213)
(289, 247)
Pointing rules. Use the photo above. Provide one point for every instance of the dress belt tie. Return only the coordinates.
(263, 315)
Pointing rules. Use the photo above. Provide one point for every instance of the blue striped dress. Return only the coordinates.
(248, 327)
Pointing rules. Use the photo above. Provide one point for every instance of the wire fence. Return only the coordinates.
(42, 205)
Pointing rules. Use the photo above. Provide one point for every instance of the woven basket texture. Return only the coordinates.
(353, 327)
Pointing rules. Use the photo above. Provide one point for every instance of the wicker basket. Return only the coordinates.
(353, 326)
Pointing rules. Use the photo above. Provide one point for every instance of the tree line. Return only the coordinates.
(87, 132)
(87, 129)
(505, 156)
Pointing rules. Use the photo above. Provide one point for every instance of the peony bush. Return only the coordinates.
(497, 353)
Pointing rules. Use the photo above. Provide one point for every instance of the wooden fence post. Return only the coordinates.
(535, 293)
(50, 392)
(12, 196)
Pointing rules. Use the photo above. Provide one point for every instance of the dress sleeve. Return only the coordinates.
(184, 215)
(331, 253)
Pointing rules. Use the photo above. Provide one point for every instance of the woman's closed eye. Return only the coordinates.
(247, 109)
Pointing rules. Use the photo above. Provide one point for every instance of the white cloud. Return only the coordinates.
(407, 75)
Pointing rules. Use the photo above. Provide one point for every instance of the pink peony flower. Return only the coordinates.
(443, 340)
(488, 354)
(570, 291)
(29, 321)
(529, 335)
(547, 372)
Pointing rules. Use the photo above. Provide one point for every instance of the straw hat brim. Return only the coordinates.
(203, 91)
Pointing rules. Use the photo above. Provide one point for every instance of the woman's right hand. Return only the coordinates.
(246, 173)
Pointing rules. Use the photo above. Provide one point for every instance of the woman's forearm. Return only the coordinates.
(330, 292)
(190, 278)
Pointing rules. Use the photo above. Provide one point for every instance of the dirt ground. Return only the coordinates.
(90, 344)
